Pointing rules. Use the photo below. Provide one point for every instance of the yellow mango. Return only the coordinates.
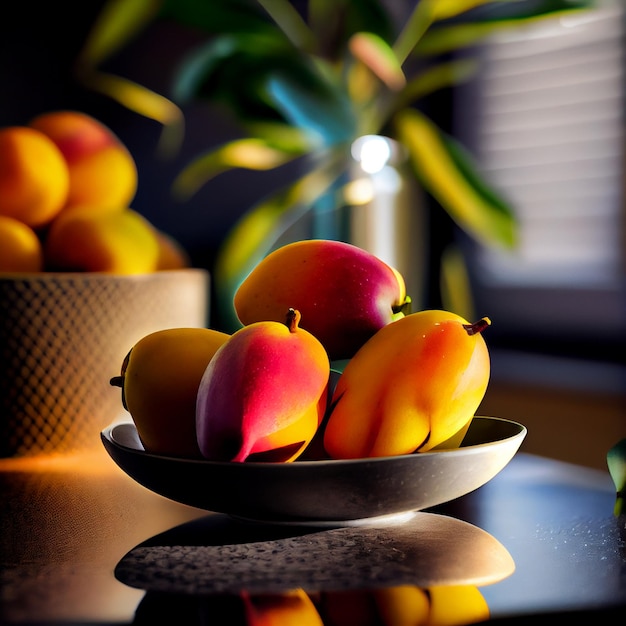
(101, 240)
(414, 385)
(290, 608)
(159, 378)
(405, 605)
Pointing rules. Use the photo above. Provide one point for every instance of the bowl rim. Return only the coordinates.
(520, 432)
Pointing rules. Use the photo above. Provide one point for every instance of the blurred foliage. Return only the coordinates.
(306, 79)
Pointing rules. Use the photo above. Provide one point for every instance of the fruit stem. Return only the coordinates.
(477, 327)
(404, 308)
(117, 381)
(293, 319)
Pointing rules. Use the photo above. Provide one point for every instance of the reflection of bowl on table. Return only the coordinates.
(328, 492)
(62, 337)
(216, 554)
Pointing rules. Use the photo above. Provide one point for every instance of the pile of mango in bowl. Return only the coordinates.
(411, 381)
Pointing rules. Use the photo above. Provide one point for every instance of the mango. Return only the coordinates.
(457, 604)
(34, 176)
(159, 378)
(20, 247)
(289, 608)
(404, 605)
(412, 386)
(344, 293)
(263, 395)
(102, 172)
(101, 240)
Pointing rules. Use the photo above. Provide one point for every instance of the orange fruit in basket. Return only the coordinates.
(102, 172)
(34, 176)
(20, 247)
(101, 240)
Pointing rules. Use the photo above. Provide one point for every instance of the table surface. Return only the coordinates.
(81, 542)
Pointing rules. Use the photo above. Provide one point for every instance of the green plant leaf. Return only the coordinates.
(216, 67)
(287, 18)
(250, 153)
(325, 111)
(215, 17)
(446, 9)
(436, 77)
(447, 173)
(254, 234)
(116, 25)
(333, 22)
(616, 463)
(142, 101)
(441, 39)
(454, 284)
(374, 52)
(424, 15)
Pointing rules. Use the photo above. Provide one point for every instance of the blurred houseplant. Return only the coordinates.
(304, 84)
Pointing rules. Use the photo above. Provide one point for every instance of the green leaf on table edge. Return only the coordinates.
(446, 171)
(616, 462)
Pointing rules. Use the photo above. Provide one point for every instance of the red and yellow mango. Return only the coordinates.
(263, 395)
(344, 293)
(102, 172)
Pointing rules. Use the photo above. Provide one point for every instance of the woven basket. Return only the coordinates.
(64, 335)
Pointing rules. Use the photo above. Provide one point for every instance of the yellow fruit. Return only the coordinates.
(405, 605)
(102, 172)
(20, 247)
(101, 240)
(159, 380)
(414, 385)
(457, 604)
(291, 608)
(34, 176)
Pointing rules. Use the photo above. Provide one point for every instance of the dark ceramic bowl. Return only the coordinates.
(328, 492)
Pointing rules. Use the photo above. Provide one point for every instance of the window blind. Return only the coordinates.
(545, 119)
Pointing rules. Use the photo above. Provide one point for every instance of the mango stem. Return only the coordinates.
(293, 320)
(477, 327)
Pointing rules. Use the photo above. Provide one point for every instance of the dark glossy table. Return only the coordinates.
(81, 542)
